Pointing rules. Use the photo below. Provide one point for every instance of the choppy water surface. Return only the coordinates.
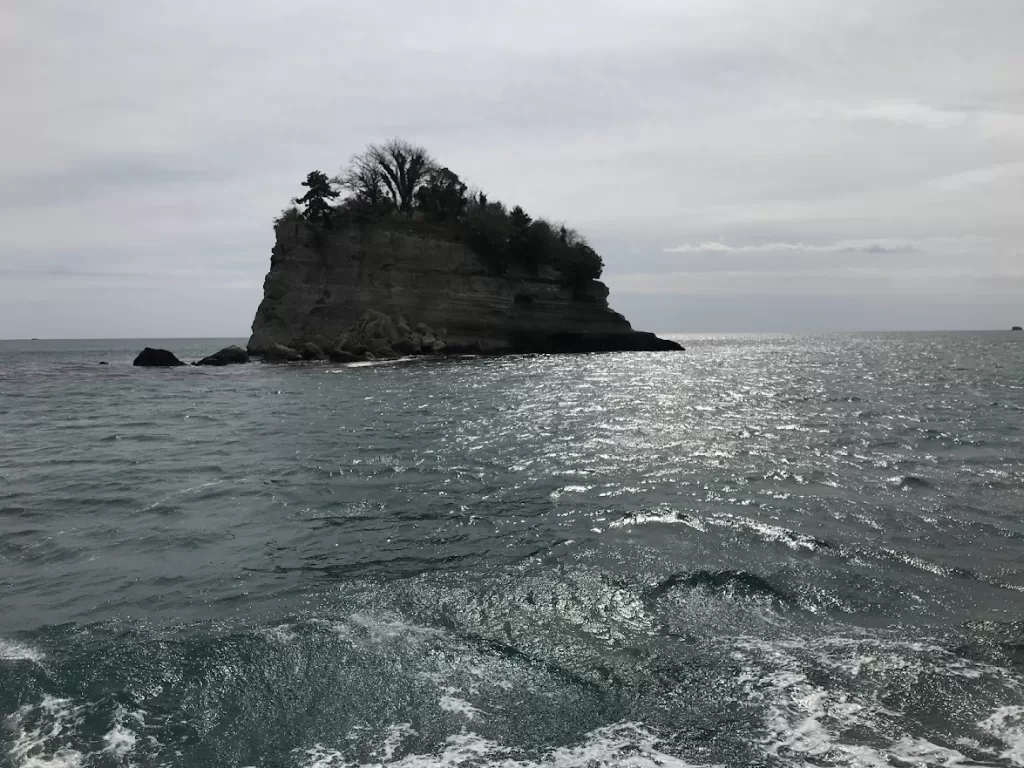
(778, 551)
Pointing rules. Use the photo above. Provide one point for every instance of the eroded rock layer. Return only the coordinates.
(322, 283)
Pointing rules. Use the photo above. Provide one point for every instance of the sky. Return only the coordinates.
(754, 165)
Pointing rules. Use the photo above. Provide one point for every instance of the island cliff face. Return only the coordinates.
(323, 282)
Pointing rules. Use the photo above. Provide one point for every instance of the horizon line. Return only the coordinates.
(661, 333)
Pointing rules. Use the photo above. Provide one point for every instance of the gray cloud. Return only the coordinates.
(717, 148)
(846, 246)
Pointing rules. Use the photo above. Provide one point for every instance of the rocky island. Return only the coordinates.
(410, 262)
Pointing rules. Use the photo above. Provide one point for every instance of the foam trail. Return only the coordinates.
(11, 650)
(43, 743)
(624, 744)
(1007, 725)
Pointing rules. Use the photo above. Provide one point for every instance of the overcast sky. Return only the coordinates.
(756, 165)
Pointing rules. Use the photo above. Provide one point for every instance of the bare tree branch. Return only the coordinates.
(397, 166)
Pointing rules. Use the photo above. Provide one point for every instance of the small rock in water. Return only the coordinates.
(232, 355)
(104, 362)
(156, 358)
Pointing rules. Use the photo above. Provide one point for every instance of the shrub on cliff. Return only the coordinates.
(578, 264)
(486, 229)
(289, 214)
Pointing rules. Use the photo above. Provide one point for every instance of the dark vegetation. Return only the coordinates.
(399, 184)
(317, 200)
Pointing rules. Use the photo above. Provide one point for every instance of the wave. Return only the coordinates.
(792, 539)
(731, 583)
(909, 483)
(861, 555)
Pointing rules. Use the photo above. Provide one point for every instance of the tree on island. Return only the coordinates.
(320, 191)
(443, 196)
(365, 183)
(395, 167)
(520, 245)
(398, 184)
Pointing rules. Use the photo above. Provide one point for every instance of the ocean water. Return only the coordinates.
(766, 551)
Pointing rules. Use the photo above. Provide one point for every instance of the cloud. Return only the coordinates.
(848, 281)
(845, 246)
(769, 140)
(1005, 172)
(906, 112)
(988, 120)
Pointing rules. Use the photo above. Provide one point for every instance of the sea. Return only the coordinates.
(770, 550)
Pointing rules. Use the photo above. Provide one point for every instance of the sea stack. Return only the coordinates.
(410, 263)
(321, 284)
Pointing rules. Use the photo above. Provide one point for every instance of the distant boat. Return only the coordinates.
(1017, 328)
(34, 339)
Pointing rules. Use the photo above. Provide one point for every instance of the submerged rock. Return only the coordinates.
(156, 358)
(233, 355)
(336, 355)
(408, 347)
(382, 351)
(311, 351)
(279, 353)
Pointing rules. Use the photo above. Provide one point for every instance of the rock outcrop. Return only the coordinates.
(1017, 328)
(376, 335)
(279, 353)
(156, 358)
(385, 291)
(232, 355)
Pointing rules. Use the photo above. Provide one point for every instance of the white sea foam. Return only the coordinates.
(665, 515)
(11, 650)
(393, 739)
(361, 629)
(791, 539)
(283, 633)
(119, 740)
(806, 723)
(384, 630)
(624, 744)
(559, 492)
(1007, 725)
(459, 707)
(41, 735)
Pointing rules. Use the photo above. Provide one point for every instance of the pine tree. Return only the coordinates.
(318, 209)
